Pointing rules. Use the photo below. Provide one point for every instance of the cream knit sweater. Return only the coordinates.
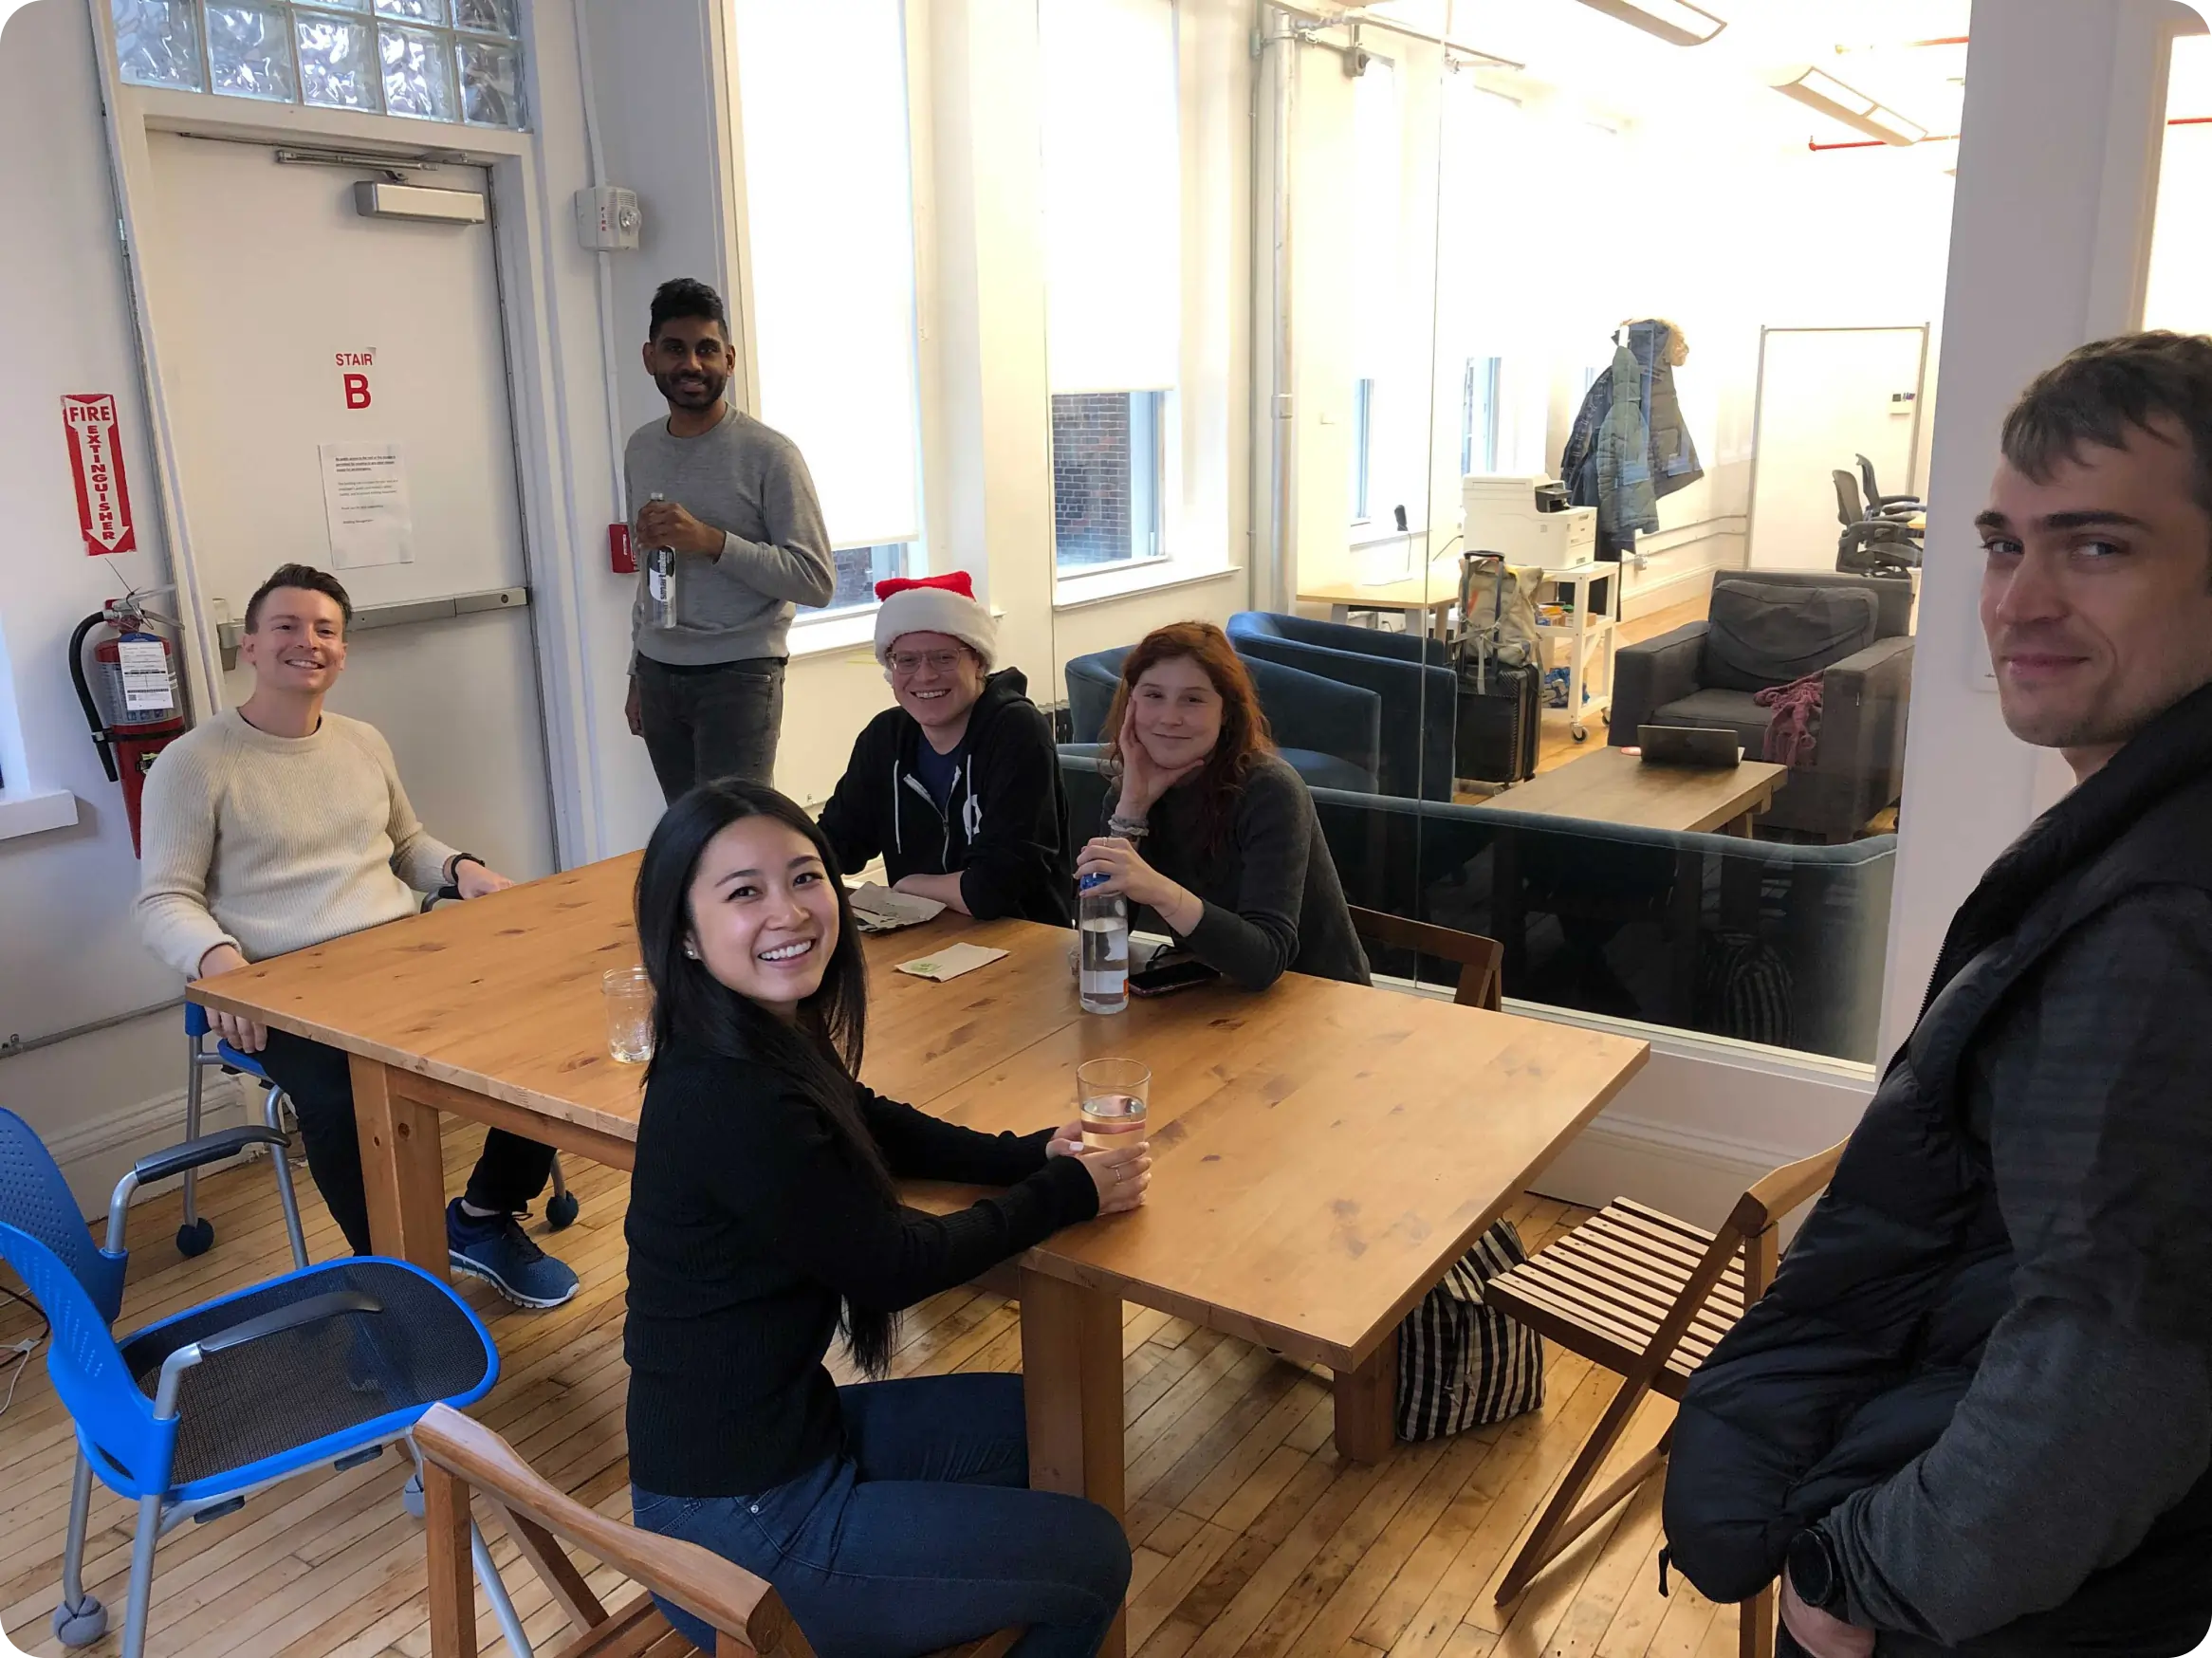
(275, 843)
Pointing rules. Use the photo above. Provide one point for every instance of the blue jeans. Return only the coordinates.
(922, 1533)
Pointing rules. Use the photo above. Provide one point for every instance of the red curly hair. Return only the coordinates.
(1244, 735)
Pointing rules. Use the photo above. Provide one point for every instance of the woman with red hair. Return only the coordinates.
(1210, 835)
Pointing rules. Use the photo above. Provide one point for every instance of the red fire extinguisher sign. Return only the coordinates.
(96, 456)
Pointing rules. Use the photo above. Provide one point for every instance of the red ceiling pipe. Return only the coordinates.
(2179, 121)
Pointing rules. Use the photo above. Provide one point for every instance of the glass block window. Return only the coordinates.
(458, 60)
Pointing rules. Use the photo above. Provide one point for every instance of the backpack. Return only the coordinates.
(1497, 609)
(1460, 1364)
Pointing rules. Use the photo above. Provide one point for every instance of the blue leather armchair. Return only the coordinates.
(1330, 733)
(1414, 678)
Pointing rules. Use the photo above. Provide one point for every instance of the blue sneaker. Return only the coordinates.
(497, 1250)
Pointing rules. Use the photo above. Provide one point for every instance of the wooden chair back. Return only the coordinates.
(460, 1455)
(1481, 961)
(750, 1619)
(1756, 1221)
(1752, 1231)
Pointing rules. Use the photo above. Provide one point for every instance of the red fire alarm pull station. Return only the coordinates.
(620, 558)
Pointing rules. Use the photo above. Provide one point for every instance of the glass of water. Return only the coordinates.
(1112, 1094)
(629, 996)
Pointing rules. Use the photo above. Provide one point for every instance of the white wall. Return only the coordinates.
(70, 954)
(659, 102)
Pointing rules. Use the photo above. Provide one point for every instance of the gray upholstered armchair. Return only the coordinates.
(1766, 628)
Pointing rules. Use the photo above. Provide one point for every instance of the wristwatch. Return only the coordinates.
(453, 869)
(1814, 1572)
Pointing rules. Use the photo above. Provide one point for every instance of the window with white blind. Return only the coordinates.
(1114, 271)
(1378, 369)
(821, 104)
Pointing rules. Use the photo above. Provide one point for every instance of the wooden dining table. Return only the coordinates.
(1321, 1152)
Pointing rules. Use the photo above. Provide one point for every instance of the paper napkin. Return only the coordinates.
(950, 961)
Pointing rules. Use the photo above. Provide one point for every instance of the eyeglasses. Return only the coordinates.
(910, 661)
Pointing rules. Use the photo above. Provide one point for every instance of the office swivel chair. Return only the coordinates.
(1881, 505)
(1883, 543)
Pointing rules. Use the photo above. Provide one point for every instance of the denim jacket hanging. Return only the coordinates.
(1672, 458)
(1626, 505)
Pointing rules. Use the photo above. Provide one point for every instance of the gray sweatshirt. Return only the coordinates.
(751, 483)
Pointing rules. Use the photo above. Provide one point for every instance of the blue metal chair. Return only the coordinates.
(196, 1235)
(200, 1411)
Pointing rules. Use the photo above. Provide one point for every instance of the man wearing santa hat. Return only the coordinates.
(958, 786)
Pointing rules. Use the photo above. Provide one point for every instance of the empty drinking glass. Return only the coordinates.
(628, 995)
(1112, 1094)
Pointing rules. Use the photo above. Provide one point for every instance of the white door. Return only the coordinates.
(1826, 396)
(295, 331)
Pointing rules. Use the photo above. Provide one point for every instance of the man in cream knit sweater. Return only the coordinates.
(277, 825)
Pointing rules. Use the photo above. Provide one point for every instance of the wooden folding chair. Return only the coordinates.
(748, 1616)
(1481, 961)
(1649, 1295)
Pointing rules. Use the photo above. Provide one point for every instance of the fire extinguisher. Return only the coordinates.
(133, 702)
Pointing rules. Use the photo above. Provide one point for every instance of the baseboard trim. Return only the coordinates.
(1695, 1175)
(1674, 575)
(94, 1154)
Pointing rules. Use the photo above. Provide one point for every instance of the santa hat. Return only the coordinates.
(934, 605)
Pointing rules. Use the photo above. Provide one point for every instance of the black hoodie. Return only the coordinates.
(1003, 830)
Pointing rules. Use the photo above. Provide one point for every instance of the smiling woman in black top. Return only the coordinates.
(893, 1517)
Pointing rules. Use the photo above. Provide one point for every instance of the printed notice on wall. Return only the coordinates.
(145, 670)
(364, 500)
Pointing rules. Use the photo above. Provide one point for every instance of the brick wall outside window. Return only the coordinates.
(858, 570)
(1090, 477)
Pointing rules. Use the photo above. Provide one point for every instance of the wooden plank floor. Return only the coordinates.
(1251, 1535)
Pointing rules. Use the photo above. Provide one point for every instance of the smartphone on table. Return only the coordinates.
(1169, 972)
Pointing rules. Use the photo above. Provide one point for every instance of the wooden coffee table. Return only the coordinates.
(1611, 786)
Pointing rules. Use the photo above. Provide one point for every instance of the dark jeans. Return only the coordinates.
(707, 723)
(922, 1535)
(509, 1174)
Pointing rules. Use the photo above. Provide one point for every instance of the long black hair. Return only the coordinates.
(820, 1053)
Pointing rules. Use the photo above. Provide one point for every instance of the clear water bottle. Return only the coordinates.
(1102, 924)
(660, 583)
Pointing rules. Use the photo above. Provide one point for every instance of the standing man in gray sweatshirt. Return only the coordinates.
(734, 500)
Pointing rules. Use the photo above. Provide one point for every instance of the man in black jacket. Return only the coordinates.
(1974, 1413)
(958, 787)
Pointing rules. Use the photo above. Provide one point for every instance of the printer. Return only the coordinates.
(1525, 519)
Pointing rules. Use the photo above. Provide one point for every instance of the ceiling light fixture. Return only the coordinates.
(1676, 21)
(1817, 89)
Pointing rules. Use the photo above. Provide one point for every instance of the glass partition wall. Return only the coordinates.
(2179, 292)
(1649, 329)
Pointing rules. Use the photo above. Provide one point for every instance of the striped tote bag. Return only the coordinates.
(1460, 1364)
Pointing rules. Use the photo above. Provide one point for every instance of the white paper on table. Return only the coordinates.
(365, 505)
(881, 909)
(952, 961)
